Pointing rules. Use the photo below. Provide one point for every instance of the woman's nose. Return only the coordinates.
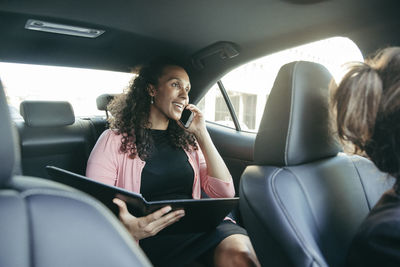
(184, 94)
(185, 97)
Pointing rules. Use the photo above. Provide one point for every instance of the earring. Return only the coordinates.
(152, 100)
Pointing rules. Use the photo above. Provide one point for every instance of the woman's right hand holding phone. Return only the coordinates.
(150, 225)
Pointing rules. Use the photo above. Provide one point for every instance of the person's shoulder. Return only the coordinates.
(378, 234)
(384, 219)
(387, 206)
(377, 239)
(110, 135)
(112, 132)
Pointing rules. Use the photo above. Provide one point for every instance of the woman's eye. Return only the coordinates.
(175, 84)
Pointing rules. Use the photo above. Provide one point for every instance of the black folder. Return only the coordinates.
(201, 215)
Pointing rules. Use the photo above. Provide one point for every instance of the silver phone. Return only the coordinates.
(186, 118)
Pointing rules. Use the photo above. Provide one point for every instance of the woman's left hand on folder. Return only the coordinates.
(150, 225)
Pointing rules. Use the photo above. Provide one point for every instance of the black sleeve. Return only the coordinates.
(376, 244)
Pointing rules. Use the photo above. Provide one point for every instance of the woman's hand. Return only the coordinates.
(215, 164)
(149, 225)
(198, 125)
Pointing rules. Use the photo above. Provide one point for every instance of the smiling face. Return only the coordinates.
(170, 96)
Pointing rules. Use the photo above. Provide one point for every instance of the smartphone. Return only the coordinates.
(186, 118)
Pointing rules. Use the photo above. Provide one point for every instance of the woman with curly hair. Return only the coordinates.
(147, 151)
(367, 105)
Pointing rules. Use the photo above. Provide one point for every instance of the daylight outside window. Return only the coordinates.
(78, 86)
(249, 85)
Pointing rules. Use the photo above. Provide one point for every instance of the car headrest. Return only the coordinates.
(47, 113)
(103, 100)
(7, 152)
(295, 127)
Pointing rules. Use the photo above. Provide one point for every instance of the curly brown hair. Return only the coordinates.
(367, 105)
(130, 114)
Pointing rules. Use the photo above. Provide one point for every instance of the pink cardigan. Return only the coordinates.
(108, 165)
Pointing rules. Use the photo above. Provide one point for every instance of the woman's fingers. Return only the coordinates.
(193, 108)
(158, 223)
(118, 202)
(149, 225)
(161, 216)
(170, 221)
(123, 210)
(198, 123)
(157, 214)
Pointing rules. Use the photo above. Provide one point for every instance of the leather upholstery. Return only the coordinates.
(46, 139)
(293, 128)
(47, 113)
(7, 153)
(303, 201)
(103, 100)
(47, 224)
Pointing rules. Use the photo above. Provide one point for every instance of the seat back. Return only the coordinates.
(303, 200)
(46, 224)
(100, 123)
(102, 102)
(51, 135)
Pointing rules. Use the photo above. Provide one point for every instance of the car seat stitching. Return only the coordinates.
(300, 238)
(286, 153)
(88, 200)
(361, 181)
(30, 234)
(252, 207)
(305, 194)
(308, 202)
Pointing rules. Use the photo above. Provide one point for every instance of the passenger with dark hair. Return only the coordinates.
(147, 151)
(367, 106)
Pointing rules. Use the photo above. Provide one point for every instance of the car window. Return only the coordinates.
(78, 86)
(217, 110)
(249, 85)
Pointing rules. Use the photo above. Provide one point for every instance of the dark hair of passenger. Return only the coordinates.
(367, 106)
(130, 113)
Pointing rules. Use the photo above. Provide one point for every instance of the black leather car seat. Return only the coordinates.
(46, 224)
(102, 102)
(303, 199)
(51, 135)
(100, 123)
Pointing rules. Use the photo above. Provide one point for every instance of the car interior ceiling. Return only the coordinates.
(181, 28)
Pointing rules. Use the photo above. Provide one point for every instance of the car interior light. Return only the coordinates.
(38, 25)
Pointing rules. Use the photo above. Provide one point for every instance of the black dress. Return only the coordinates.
(169, 175)
(377, 242)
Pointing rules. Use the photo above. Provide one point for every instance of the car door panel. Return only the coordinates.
(235, 147)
